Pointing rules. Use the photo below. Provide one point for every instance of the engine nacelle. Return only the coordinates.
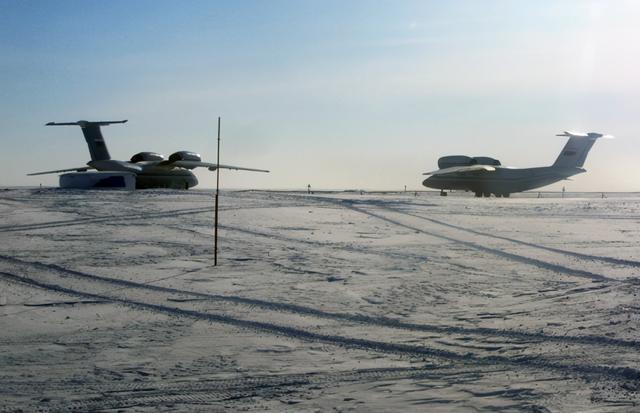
(185, 156)
(454, 160)
(485, 160)
(147, 156)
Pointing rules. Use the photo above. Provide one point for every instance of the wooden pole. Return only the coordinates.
(215, 232)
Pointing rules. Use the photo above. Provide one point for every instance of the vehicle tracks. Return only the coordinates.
(502, 254)
(332, 245)
(124, 218)
(609, 260)
(208, 391)
(155, 303)
(354, 318)
(92, 220)
(353, 205)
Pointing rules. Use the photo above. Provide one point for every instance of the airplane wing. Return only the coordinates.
(211, 166)
(79, 169)
(456, 169)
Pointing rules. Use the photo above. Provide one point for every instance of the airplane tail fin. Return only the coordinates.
(575, 152)
(93, 136)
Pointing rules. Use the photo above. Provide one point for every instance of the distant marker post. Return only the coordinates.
(215, 225)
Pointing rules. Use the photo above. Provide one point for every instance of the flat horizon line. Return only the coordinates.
(331, 190)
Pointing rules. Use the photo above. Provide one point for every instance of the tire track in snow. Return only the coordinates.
(533, 362)
(503, 254)
(383, 205)
(194, 211)
(375, 373)
(355, 318)
(208, 391)
(466, 358)
(609, 260)
(324, 244)
(81, 221)
(129, 217)
(493, 214)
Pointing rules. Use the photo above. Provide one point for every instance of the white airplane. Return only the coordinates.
(150, 169)
(486, 176)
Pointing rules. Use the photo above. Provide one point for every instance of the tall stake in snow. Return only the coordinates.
(215, 231)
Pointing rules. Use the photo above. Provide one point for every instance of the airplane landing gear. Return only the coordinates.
(478, 194)
(442, 193)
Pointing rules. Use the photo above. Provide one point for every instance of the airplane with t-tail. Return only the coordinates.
(144, 169)
(485, 176)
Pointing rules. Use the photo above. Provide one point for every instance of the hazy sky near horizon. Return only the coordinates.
(336, 94)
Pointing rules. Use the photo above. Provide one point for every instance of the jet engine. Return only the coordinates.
(454, 160)
(147, 156)
(185, 156)
(485, 160)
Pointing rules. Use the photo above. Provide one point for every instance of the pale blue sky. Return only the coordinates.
(338, 94)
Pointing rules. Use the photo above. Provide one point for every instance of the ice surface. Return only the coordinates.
(333, 301)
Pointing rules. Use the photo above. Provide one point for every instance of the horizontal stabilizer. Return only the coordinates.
(79, 169)
(457, 169)
(93, 136)
(592, 135)
(84, 123)
(211, 166)
(575, 151)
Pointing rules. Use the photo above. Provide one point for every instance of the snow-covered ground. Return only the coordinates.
(335, 301)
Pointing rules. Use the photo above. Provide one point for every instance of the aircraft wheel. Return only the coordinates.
(506, 195)
(498, 195)
(486, 194)
(478, 194)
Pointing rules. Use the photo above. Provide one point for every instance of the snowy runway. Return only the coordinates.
(346, 301)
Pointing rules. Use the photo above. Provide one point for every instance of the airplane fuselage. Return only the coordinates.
(485, 175)
(503, 181)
